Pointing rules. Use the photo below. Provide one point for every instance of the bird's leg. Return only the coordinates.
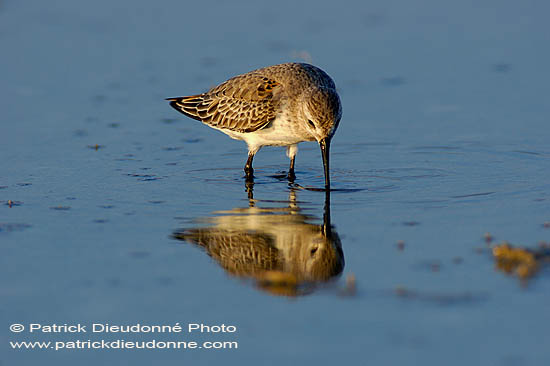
(250, 191)
(291, 175)
(248, 168)
(291, 151)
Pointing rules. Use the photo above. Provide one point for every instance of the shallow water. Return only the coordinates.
(444, 138)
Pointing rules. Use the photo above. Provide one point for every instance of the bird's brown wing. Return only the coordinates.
(241, 253)
(244, 103)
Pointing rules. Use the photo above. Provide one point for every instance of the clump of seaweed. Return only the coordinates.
(520, 261)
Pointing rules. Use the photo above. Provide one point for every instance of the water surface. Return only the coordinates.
(444, 138)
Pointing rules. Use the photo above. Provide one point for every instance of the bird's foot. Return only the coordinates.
(249, 175)
(249, 185)
(291, 176)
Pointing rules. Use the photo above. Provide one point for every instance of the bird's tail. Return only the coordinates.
(188, 105)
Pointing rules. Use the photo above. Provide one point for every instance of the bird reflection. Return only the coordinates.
(280, 249)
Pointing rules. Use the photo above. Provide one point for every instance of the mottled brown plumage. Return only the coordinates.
(244, 109)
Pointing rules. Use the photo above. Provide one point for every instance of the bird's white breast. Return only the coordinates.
(282, 131)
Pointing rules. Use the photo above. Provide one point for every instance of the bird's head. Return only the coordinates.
(323, 111)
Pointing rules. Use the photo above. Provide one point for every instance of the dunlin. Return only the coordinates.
(280, 105)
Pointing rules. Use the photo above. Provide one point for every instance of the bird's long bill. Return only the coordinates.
(327, 228)
(325, 148)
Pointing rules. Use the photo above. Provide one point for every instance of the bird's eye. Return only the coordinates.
(311, 123)
(313, 251)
